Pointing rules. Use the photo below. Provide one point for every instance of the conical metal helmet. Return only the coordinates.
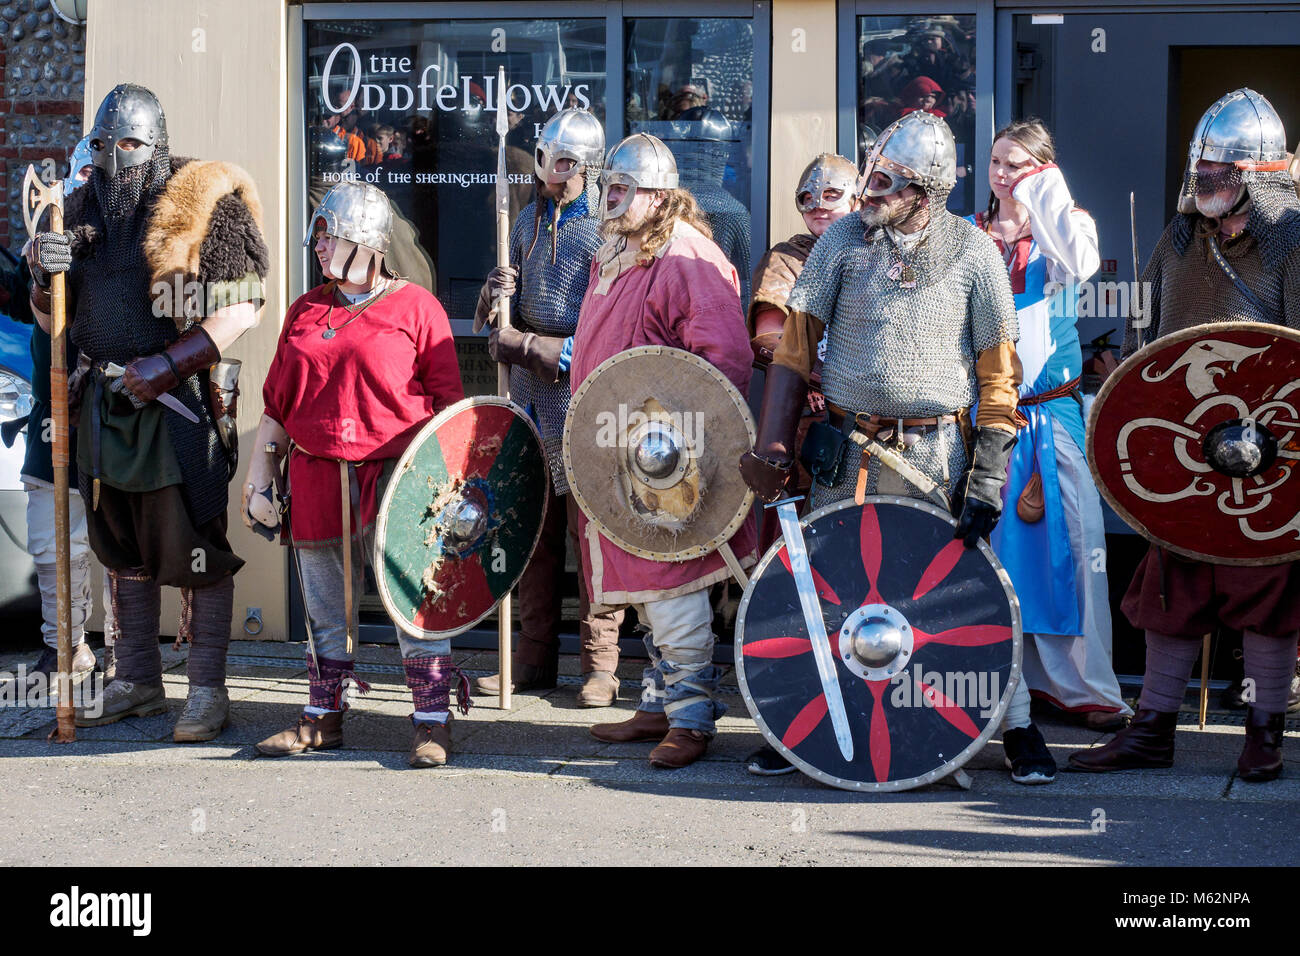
(129, 111)
(917, 148)
(1241, 127)
(357, 212)
(573, 134)
(827, 171)
(640, 161)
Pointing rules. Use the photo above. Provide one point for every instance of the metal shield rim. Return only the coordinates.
(958, 761)
(570, 473)
(1141, 355)
(381, 520)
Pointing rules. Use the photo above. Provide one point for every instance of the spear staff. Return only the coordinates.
(503, 369)
(37, 197)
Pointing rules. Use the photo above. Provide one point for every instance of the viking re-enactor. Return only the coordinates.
(920, 327)
(660, 280)
(1238, 200)
(551, 246)
(167, 270)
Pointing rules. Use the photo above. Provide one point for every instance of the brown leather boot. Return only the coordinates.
(431, 745)
(1261, 758)
(312, 733)
(526, 677)
(599, 689)
(643, 725)
(680, 748)
(1147, 742)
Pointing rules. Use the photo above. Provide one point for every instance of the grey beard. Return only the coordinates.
(873, 216)
(1215, 207)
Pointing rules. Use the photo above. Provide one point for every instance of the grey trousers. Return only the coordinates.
(321, 570)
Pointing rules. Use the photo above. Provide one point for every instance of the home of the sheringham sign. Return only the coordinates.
(401, 90)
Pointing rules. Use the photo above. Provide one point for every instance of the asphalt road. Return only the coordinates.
(532, 787)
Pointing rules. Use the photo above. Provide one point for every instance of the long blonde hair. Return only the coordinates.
(658, 229)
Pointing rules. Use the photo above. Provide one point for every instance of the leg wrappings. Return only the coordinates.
(429, 679)
(325, 687)
(137, 605)
(211, 610)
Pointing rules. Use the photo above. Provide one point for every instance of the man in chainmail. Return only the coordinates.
(701, 142)
(167, 268)
(1231, 253)
(551, 246)
(920, 329)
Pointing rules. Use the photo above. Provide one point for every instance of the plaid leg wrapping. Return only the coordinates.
(430, 680)
(326, 686)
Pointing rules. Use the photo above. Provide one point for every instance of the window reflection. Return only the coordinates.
(690, 82)
(410, 106)
(920, 62)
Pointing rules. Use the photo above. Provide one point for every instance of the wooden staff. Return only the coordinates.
(37, 197)
(1205, 678)
(503, 369)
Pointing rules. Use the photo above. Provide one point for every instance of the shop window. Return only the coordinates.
(908, 63)
(690, 82)
(411, 107)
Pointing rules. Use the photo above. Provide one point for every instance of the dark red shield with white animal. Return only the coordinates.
(460, 517)
(1195, 438)
(925, 634)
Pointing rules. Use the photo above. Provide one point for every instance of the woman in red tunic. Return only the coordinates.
(363, 362)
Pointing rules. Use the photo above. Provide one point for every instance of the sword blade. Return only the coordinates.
(812, 615)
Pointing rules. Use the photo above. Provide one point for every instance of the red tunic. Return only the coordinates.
(688, 298)
(360, 396)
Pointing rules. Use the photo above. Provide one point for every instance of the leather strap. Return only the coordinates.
(1060, 391)
(1231, 273)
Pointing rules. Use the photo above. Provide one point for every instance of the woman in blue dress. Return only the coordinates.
(1051, 537)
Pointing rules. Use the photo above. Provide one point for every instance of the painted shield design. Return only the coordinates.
(1195, 438)
(925, 634)
(460, 517)
(651, 442)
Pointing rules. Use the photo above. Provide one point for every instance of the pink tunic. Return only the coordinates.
(688, 298)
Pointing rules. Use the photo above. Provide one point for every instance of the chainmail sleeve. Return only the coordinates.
(991, 310)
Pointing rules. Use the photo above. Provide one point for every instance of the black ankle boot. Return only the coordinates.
(1147, 742)
(1261, 758)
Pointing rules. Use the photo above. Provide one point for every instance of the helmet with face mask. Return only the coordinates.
(572, 134)
(1243, 130)
(827, 172)
(360, 217)
(128, 111)
(78, 162)
(918, 148)
(641, 161)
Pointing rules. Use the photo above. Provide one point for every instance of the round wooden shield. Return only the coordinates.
(651, 443)
(926, 638)
(1195, 438)
(460, 517)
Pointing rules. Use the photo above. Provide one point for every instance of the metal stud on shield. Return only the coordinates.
(925, 634)
(460, 517)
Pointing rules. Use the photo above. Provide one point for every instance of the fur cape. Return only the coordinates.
(205, 226)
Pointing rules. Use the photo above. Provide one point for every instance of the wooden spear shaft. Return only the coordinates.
(504, 650)
(66, 726)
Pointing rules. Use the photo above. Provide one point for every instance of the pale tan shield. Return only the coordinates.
(651, 446)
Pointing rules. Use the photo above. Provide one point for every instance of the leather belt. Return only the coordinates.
(1069, 389)
(904, 432)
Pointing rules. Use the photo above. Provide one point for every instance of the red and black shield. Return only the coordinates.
(1195, 438)
(924, 631)
(460, 517)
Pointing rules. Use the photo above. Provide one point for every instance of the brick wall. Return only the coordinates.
(43, 63)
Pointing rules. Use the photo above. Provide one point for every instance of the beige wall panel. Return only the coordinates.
(803, 101)
(218, 66)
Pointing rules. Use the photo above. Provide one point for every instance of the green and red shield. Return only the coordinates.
(460, 517)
